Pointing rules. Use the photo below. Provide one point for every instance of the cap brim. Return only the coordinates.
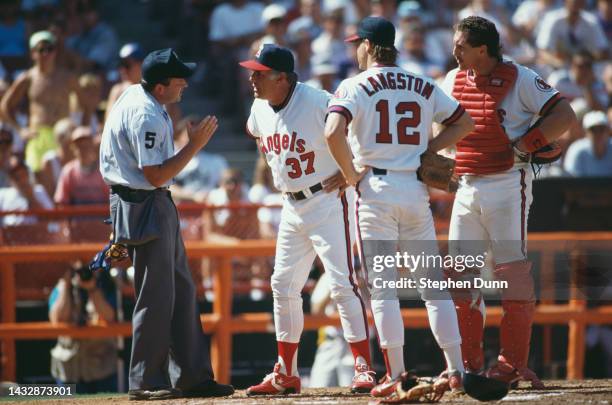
(254, 65)
(353, 38)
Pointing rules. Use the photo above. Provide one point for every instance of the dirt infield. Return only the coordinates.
(558, 391)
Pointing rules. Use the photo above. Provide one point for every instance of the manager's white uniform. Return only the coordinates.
(319, 223)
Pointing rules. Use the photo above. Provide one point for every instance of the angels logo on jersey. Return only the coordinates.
(340, 94)
(542, 85)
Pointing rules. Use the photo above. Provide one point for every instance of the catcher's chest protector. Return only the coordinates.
(487, 149)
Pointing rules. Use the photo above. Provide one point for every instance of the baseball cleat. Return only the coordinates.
(276, 383)
(505, 372)
(364, 379)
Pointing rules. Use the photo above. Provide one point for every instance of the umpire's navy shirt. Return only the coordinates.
(137, 133)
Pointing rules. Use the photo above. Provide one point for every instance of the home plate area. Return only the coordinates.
(557, 391)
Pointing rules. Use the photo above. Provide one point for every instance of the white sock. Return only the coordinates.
(454, 361)
(395, 356)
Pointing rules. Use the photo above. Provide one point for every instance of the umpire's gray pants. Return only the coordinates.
(168, 346)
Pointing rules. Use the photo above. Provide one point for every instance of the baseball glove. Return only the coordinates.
(414, 389)
(547, 154)
(437, 171)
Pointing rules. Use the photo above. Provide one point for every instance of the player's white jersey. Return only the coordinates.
(390, 112)
(292, 138)
(529, 98)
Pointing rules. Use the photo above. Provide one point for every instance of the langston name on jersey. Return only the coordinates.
(396, 81)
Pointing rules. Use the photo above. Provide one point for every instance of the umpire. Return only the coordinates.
(170, 355)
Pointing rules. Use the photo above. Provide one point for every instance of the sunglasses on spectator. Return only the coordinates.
(45, 49)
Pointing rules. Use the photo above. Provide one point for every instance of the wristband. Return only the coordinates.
(534, 140)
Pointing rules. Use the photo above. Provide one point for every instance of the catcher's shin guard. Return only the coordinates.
(518, 302)
(471, 327)
(470, 314)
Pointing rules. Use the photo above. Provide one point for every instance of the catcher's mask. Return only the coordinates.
(483, 388)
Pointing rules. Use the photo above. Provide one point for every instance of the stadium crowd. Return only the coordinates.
(63, 65)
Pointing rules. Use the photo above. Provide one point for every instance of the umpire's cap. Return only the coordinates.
(483, 388)
(377, 30)
(271, 57)
(165, 64)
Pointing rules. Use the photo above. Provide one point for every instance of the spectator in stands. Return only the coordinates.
(580, 82)
(325, 76)
(607, 79)
(83, 297)
(299, 38)
(46, 88)
(566, 31)
(264, 192)
(236, 24)
(13, 30)
(80, 181)
(97, 43)
(528, 16)
(66, 58)
(310, 18)
(591, 156)
(6, 146)
(414, 57)
(330, 44)
(274, 21)
(385, 8)
(55, 159)
(203, 172)
(233, 28)
(131, 56)
(412, 17)
(3, 81)
(88, 98)
(490, 10)
(231, 224)
(22, 194)
(604, 16)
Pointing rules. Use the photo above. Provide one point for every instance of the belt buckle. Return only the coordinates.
(307, 192)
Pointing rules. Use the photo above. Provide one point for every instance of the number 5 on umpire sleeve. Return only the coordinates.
(149, 140)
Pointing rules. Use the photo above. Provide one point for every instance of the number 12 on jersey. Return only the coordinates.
(403, 124)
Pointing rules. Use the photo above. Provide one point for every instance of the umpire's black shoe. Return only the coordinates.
(153, 394)
(209, 388)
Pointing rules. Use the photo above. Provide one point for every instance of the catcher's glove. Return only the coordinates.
(546, 154)
(438, 171)
(413, 389)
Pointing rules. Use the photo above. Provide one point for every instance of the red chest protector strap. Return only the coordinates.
(487, 149)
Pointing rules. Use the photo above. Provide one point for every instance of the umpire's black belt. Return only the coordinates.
(379, 172)
(133, 195)
(302, 195)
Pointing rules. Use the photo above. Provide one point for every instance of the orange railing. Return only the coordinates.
(222, 324)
